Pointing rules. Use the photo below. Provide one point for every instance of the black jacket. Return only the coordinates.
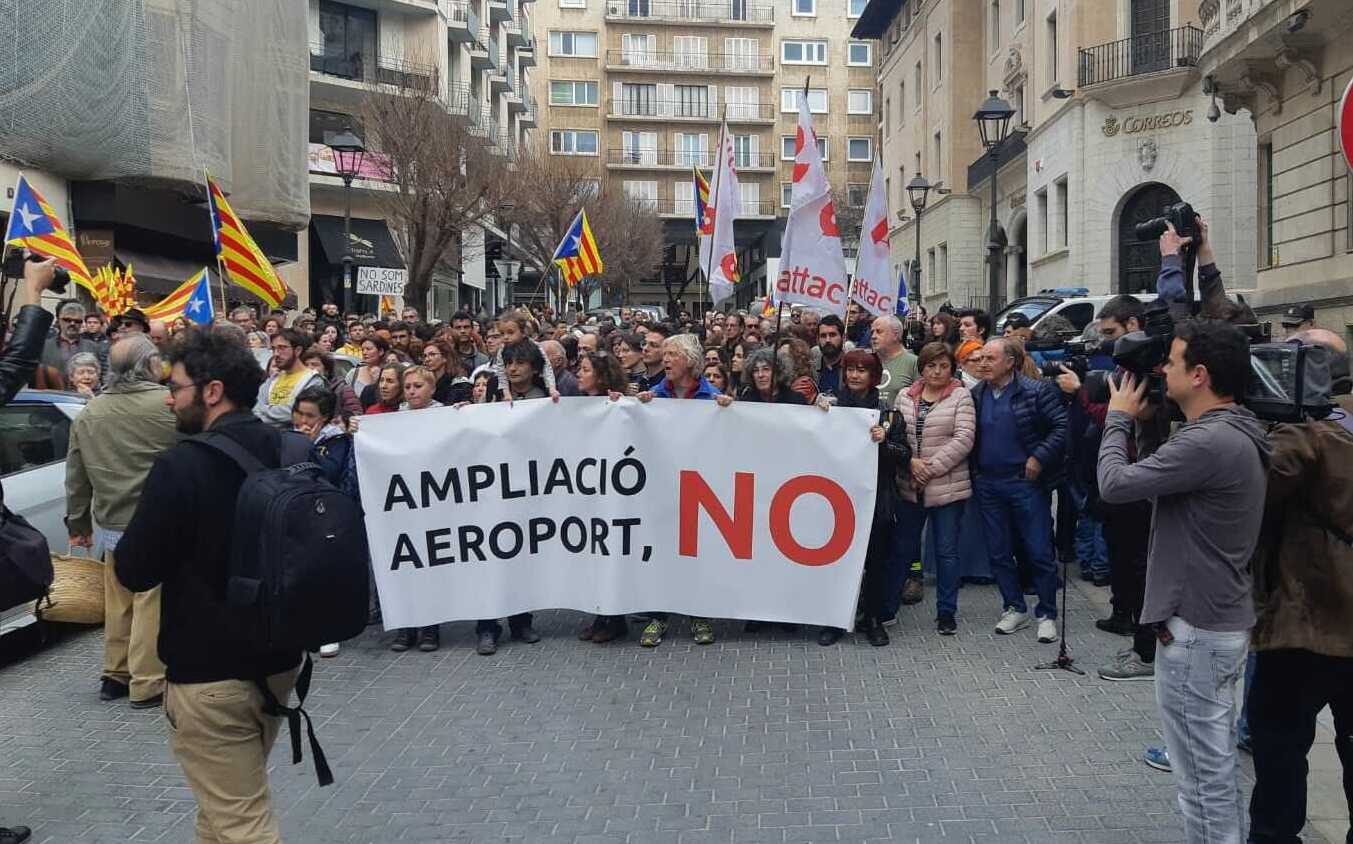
(448, 391)
(894, 454)
(783, 395)
(21, 354)
(180, 538)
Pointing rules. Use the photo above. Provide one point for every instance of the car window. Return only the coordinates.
(31, 436)
(1032, 308)
(1078, 314)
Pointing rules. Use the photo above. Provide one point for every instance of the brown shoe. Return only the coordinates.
(913, 592)
(610, 629)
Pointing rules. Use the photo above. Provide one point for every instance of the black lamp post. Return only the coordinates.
(348, 152)
(918, 191)
(993, 121)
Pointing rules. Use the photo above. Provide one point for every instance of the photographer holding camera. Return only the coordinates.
(1303, 592)
(17, 362)
(1207, 483)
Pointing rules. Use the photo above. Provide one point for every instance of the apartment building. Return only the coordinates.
(476, 55)
(1287, 63)
(1109, 128)
(642, 85)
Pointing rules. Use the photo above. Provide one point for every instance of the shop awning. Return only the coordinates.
(372, 244)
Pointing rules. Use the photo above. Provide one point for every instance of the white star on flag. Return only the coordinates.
(28, 216)
(195, 305)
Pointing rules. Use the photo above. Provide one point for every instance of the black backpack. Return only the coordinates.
(298, 565)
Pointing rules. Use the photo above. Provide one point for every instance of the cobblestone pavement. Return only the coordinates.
(759, 738)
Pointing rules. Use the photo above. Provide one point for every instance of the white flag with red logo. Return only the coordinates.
(873, 286)
(812, 266)
(718, 256)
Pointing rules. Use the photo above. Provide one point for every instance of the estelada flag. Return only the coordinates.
(244, 263)
(33, 224)
(577, 254)
(190, 300)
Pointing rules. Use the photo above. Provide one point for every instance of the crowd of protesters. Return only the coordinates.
(989, 472)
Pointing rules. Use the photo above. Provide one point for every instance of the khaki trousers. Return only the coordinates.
(131, 628)
(221, 738)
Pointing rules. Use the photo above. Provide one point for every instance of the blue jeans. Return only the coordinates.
(1016, 509)
(1091, 549)
(1196, 678)
(943, 521)
(1243, 728)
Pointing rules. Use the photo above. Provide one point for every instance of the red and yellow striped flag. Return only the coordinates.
(244, 263)
(33, 223)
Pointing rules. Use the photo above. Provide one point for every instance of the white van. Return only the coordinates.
(1074, 303)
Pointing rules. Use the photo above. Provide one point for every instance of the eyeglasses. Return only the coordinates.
(174, 388)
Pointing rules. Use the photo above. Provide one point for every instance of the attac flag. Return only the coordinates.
(718, 255)
(812, 265)
(34, 225)
(577, 254)
(190, 300)
(872, 286)
(244, 263)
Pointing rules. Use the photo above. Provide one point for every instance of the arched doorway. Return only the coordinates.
(1139, 260)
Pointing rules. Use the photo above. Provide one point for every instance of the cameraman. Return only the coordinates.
(17, 362)
(1303, 592)
(1207, 483)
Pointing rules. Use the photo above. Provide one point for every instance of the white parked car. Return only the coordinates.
(34, 434)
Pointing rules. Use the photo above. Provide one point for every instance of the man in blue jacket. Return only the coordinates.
(1017, 461)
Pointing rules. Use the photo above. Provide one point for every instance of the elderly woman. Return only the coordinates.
(767, 377)
(941, 427)
(862, 374)
(82, 373)
(682, 359)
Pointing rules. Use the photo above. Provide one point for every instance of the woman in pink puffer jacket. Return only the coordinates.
(941, 429)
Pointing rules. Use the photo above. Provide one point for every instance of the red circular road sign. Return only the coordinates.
(1345, 124)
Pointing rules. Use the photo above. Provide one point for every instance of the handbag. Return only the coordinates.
(25, 561)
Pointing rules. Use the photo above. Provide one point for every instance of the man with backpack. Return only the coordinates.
(228, 664)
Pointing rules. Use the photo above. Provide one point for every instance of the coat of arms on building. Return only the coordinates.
(1110, 127)
(1146, 153)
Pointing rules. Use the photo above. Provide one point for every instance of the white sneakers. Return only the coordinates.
(328, 650)
(1012, 620)
(1047, 630)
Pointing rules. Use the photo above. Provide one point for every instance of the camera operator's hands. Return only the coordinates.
(1032, 469)
(1205, 254)
(1127, 397)
(37, 277)
(1068, 381)
(1171, 242)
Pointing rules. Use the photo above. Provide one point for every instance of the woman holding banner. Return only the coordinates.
(941, 427)
(682, 359)
(863, 372)
(767, 379)
(600, 374)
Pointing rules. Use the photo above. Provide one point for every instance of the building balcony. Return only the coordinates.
(348, 76)
(499, 11)
(516, 97)
(737, 13)
(530, 116)
(641, 109)
(458, 18)
(668, 159)
(526, 55)
(480, 58)
(460, 102)
(516, 38)
(705, 64)
(1221, 19)
(764, 209)
(501, 81)
(1155, 66)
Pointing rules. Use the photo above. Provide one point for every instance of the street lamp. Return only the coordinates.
(918, 191)
(993, 121)
(348, 152)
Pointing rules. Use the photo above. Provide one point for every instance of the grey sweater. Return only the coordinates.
(1208, 482)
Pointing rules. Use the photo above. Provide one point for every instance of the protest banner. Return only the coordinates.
(381, 281)
(751, 511)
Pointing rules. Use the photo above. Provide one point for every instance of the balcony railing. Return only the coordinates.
(460, 101)
(641, 107)
(686, 11)
(457, 11)
(367, 67)
(641, 158)
(686, 208)
(1141, 54)
(691, 62)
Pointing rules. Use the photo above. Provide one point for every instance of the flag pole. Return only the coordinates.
(780, 315)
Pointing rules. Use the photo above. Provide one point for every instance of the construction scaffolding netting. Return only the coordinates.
(160, 91)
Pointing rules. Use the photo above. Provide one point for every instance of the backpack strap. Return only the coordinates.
(293, 714)
(238, 454)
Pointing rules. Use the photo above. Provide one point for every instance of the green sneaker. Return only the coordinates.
(653, 633)
(702, 631)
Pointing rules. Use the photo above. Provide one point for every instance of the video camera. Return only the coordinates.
(13, 268)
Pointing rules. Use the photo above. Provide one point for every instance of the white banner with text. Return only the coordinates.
(751, 511)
